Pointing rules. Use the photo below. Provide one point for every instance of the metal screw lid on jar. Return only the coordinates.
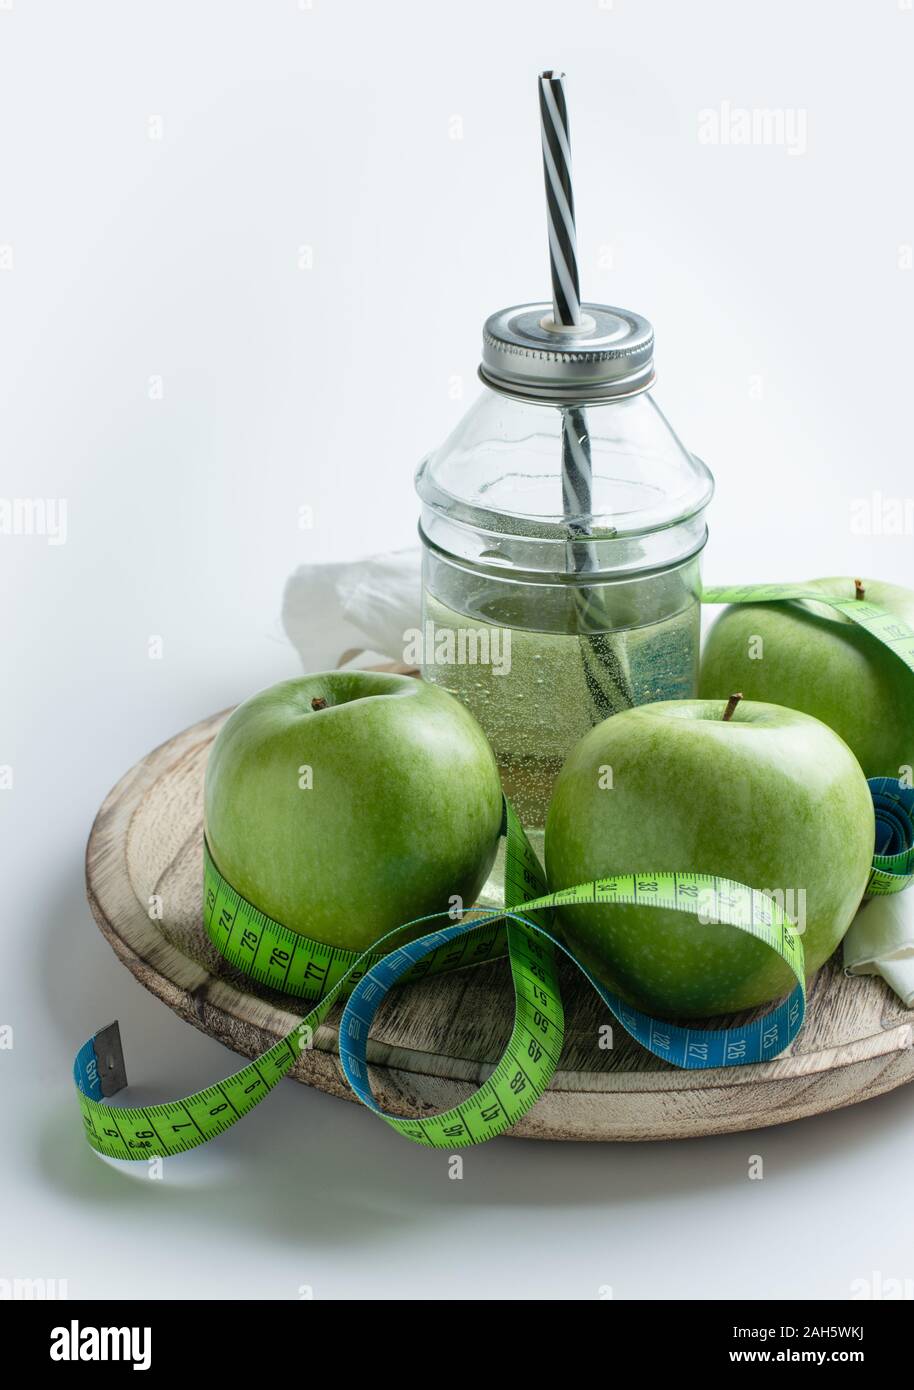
(609, 354)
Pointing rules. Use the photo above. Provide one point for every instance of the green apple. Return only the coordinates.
(812, 658)
(769, 797)
(347, 803)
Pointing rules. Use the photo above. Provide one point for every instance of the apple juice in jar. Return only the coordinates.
(562, 526)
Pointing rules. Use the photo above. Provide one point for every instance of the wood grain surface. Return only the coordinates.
(435, 1040)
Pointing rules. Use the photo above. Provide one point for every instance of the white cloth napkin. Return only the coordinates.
(881, 942)
(363, 604)
(367, 606)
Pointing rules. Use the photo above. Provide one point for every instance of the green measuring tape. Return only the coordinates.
(877, 621)
(283, 959)
(276, 957)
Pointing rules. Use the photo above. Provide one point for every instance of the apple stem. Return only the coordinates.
(859, 590)
(318, 702)
(731, 705)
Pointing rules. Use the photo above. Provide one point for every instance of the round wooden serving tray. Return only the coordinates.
(434, 1041)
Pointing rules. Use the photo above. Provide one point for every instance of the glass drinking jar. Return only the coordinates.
(562, 525)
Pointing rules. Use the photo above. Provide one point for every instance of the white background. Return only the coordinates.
(783, 309)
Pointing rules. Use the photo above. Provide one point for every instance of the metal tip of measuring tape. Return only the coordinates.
(109, 1054)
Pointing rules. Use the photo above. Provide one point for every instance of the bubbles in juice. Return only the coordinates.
(534, 696)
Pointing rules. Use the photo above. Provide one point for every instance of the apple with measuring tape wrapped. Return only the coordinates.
(347, 803)
(766, 796)
(812, 658)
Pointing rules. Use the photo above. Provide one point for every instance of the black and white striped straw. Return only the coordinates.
(563, 247)
(577, 472)
(604, 657)
(566, 290)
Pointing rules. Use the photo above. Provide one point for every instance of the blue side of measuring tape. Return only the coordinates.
(689, 1048)
(85, 1071)
(893, 803)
